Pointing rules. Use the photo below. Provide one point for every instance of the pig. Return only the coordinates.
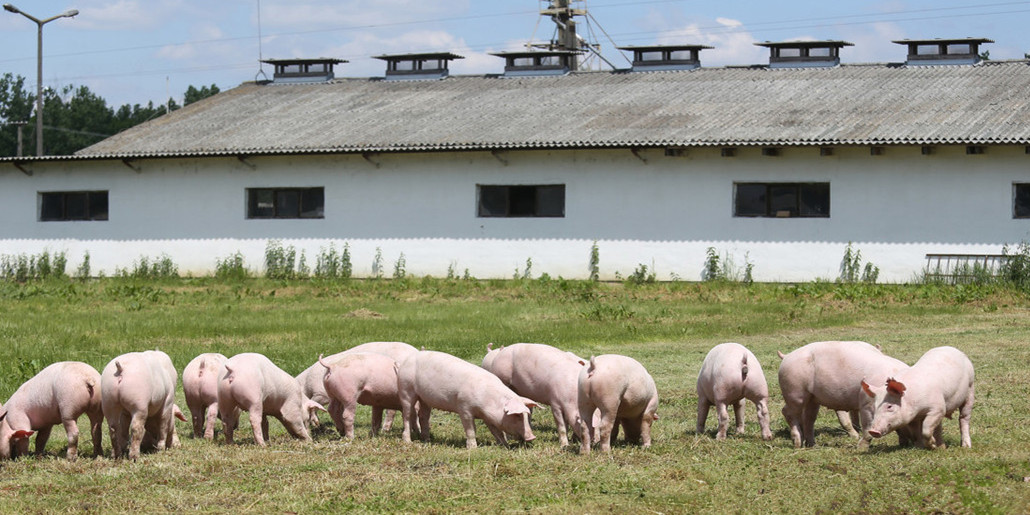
(58, 394)
(311, 378)
(251, 382)
(360, 377)
(544, 374)
(623, 391)
(138, 396)
(919, 398)
(441, 381)
(200, 387)
(730, 374)
(829, 374)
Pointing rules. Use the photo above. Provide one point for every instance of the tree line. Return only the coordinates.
(74, 117)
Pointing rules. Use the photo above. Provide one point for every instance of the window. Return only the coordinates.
(64, 206)
(285, 203)
(1021, 205)
(522, 201)
(782, 200)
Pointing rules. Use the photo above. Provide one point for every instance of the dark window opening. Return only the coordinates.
(782, 200)
(1021, 207)
(546, 201)
(64, 206)
(286, 203)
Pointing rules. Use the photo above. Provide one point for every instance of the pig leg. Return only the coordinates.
(388, 416)
(256, 424)
(633, 427)
(209, 421)
(938, 435)
(197, 415)
(763, 419)
(965, 412)
(42, 435)
(702, 413)
(348, 419)
(71, 428)
(848, 420)
(559, 423)
(645, 431)
(930, 425)
(408, 419)
(136, 431)
(608, 422)
(96, 430)
(498, 435)
(808, 415)
(423, 421)
(793, 417)
(377, 420)
(724, 420)
(738, 413)
(468, 422)
(586, 429)
(335, 409)
(230, 419)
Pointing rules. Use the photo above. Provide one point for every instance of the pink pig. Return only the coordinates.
(730, 374)
(920, 397)
(828, 374)
(624, 393)
(58, 394)
(138, 396)
(251, 382)
(360, 378)
(544, 374)
(441, 381)
(200, 387)
(311, 378)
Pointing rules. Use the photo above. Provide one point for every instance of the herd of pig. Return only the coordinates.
(594, 398)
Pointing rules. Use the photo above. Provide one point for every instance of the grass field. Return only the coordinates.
(667, 327)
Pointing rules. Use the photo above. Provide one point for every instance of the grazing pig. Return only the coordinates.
(200, 387)
(58, 394)
(138, 393)
(441, 381)
(251, 382)
(730, 374)
(920, 397)
(311, 378)
(624, 393)
(360, 377)
(544, 374)
(829, 374)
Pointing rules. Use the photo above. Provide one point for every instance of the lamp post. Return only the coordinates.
(39, 66)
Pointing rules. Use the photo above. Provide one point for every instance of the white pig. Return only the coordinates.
(251, 382)
(624, 393)
(730, 374)
(58, 394)
(360, 378)
(920, 397)
(829, 374)
(441, 381)
(200, 387)
(138, 393)
(311, 378)
(544, 374)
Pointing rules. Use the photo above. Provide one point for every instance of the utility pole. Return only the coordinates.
(19, 125)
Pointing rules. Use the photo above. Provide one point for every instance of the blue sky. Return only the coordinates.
(135, 51)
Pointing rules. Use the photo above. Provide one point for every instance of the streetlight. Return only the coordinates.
(39, 66)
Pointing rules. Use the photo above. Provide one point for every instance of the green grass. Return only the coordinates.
(667, 327)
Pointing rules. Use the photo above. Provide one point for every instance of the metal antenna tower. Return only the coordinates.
(565, 37)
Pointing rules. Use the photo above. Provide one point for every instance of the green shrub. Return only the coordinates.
(231, 268)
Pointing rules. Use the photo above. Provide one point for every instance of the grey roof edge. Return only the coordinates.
(487, 147)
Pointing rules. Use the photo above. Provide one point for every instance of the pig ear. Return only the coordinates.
(18, 435)
(515, 406)
(895, 387)
(178, 413)
(865, 388)
(313, 406)
(529, 403)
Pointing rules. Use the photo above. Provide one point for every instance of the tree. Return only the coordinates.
(194, 94)
(15, 106)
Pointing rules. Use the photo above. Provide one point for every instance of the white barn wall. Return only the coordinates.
(663, 213)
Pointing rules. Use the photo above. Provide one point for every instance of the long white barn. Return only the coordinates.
(779, 165)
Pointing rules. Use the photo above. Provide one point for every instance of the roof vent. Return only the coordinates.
(293, 71)
(804, 54)
(665, 57)
(418, 66)
(922, 52)
(537, 63)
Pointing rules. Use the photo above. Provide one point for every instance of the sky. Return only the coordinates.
(137, 51)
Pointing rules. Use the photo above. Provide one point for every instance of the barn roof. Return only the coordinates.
(850, 104)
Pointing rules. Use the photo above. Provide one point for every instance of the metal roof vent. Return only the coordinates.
(294, 71)
(418, 66)
(804, 54)
(537, 63)
(665, 57)
(923, 52)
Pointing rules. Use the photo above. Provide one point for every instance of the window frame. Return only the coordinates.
(92, 210)
(538, 209)
(1016, 187)
(799, 191)
(252, 209)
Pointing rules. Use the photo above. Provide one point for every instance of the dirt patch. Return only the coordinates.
(364, 314)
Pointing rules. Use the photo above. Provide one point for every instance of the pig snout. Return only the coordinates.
(875, 434)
